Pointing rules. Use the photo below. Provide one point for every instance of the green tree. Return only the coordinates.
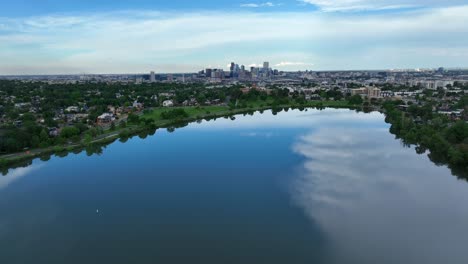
(457, 133)
(68, 132)
(87, 139)
(133, 119)
(355, 100)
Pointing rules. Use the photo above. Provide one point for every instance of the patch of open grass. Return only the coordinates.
(192, 111)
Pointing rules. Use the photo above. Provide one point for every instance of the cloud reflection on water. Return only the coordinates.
(16, 174)
(377, 201)
(291, 119)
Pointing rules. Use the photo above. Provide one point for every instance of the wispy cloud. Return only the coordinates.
(136, 41)
(256, 5)
(16, 174)
(373, 5)
(290, 63)
(258, 134)
(345, 178)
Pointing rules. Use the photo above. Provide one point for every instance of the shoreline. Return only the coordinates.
(12, 159)
(150, 121)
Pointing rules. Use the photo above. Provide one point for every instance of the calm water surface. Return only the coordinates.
(330, 186)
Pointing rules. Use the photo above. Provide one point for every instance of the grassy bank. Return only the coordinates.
(219, 111)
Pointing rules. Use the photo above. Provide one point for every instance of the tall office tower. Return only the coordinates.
(254, 72)
(152, 77)
(232, 69)
(208, 73)
(266, 69)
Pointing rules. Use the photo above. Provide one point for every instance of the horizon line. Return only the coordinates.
(303, 70)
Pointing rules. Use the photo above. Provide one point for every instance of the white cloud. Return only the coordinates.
(353, 180)
(143, 41)
(16, 174)
(290, 63)
(255, 5)
(291, 119)
(362, 5)
(258, 134)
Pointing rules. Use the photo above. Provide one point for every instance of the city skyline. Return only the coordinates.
(140, 36)
(248, 68)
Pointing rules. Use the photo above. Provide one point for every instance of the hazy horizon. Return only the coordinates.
(103, 37)
(193, 72)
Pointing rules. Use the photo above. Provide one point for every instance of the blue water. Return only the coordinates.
(330, 186)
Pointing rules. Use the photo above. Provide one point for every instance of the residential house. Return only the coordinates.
(105, 118)
(168, 103)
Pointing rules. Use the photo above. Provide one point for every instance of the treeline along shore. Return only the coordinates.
(40, 119)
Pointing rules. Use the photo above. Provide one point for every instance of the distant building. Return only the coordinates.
(72, 109)
(359, 91)
(22, 105)
(232, 69)
(152, 77)
(54, 132)
(373, 92)
(18, 123)
(137, 105)
(168, 103)
(387, 94)
(370, 92)
(208, 73)
(105, 118)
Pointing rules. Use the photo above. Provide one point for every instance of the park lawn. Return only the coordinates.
(192, 111)
(260, 103)
(195, 112)
(329, 103)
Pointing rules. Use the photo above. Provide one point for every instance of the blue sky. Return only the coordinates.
(34, 7)
(103, 36)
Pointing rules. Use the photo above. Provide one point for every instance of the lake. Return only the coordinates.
(331, 186)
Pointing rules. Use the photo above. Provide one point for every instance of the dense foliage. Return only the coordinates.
(34, 114)
(174, 114)
(446, 141)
